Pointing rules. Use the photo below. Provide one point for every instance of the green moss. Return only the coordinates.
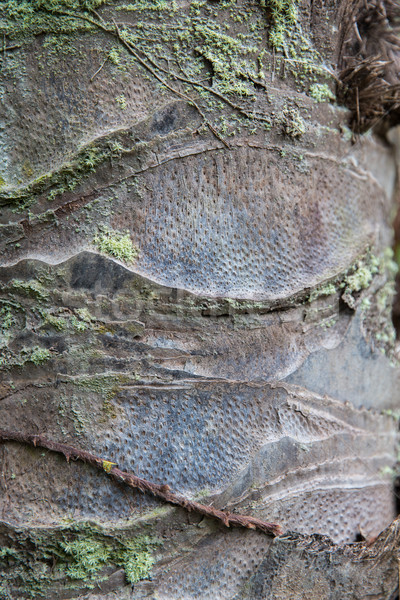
(283, 16)
(137, 558)
(292, 122)
(27, 17)
(116, 244)
(321, 92)
(121, 100)
(73, 557)
(114, 55)
(220, 69)
(31, 288)
(38, 355)
(84, 557)
(64, 179)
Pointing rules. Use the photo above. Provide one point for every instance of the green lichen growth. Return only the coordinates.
(137, 558)
(64, 179)
(121, 100)
(105, 385)
(62, 320)
(84, 557)
(375, 275)
(296, 52)
(116, 244)
(365, 304)
(388, 471)
(39, 355)
(359, 277)
(361, 274)
(200, 51)
(325, 290)
(27, 17)
(58, 323)
(7, 319)
(31, 288)
(77, 324)
(114, 56)
(73, 557)
(293, 124)
(321, 92)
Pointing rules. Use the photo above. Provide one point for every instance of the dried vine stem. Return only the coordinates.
(131, 49)
(163, 492)
(150, 65)
(369, 62)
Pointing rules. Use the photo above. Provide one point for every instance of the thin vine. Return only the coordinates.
(162, 492)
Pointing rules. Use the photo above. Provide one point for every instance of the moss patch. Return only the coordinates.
(75, 557)
(39, 355)
(116, 244)
(59, 181)
(321, 92)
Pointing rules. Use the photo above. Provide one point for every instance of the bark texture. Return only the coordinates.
(197, 281)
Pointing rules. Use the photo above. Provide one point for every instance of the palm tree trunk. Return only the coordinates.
(197, 281)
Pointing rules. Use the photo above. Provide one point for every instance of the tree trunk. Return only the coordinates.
(197, 283)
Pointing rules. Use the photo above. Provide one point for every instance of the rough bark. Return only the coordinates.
(197, 282)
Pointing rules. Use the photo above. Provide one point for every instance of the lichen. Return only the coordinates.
(116, 244)
(359, 277)
(325, 290)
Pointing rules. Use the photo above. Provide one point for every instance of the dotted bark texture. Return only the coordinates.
(196, 285)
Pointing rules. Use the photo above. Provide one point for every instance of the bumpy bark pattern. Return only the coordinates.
(244, 357)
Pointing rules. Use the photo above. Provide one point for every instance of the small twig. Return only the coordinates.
(93, 11)
(8, 48)
(356, 31)
(163, 492)
(358, 107)
(99, 69)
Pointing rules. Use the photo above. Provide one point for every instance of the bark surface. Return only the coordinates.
(196, 286)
